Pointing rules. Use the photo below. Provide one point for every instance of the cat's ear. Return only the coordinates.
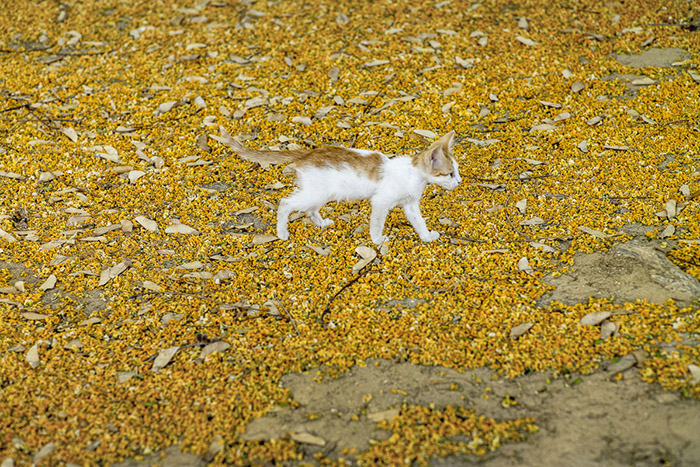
(447, 141)
(436, 157)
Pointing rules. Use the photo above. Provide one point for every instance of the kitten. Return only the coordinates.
(340, 174)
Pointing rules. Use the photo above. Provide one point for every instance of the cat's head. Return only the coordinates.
(438, 162)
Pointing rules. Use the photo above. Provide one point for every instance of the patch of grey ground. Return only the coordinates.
(629, 271)
(90, 302)
(170, 457)
(596, 422)
(653, 57)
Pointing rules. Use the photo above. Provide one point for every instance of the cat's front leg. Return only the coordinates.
(412, 211)
(283, 212)
(376, 221)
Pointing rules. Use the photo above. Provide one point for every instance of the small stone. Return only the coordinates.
(624, 363)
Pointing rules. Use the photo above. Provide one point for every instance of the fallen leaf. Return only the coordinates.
(577, 86)
(616, 148)
(32, 316)
(383, 416)
(492, 186)
(643, 81)
(12, 175)
(166, 107)
(669, 230)
(272, 307)
(264, 238)
(374, 63)
(607, 329)
(125, 376)
(147, 223)
(426, 134)
(521, 205)
(215, 448)
(524, 266)
(308, 438)
(181, 229)
(202, 143)
(45, 451)
(32, 356)
(694, 372)
(48, 176)
(685, 190)
(542, 246)
(246, 210)
(70, 133)
(49, 284)
(323, 251)
(594, 232)
(151, 286)
(164, 357)
(597, 317)
(468, 63)
(199, 102)
(671, 209)
(7, 236)
(108, 274)
(543, 127)
(334, 73)
(519, 330)
(552, 105)
(526, 41)
(562, 116)
(106, 229)
(447, 107)
(583, 146)
(135, 175)
(594, 121)
(218, 346)
(302, 120)
(367, 254)
(192, 265)
(90, 321)
(483, 142)
(532, 221)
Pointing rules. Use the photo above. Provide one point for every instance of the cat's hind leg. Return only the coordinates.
(283, 212)
(294, 202)
(300, 200)
(377, 218)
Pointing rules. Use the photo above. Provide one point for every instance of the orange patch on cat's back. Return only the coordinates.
(368, 165)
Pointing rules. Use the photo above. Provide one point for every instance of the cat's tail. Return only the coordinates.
(261, 157)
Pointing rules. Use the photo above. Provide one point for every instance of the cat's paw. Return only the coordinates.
(283, 235)
(325, 223)
(380, 240)
(431, 236)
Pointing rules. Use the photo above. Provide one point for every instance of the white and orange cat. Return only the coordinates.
(341, 174)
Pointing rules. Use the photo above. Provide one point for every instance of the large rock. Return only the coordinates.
(627, 272)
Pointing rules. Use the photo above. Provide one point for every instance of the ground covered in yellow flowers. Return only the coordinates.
(146, 304)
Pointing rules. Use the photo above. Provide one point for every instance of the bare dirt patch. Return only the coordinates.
(654, 57)
(586, 420)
